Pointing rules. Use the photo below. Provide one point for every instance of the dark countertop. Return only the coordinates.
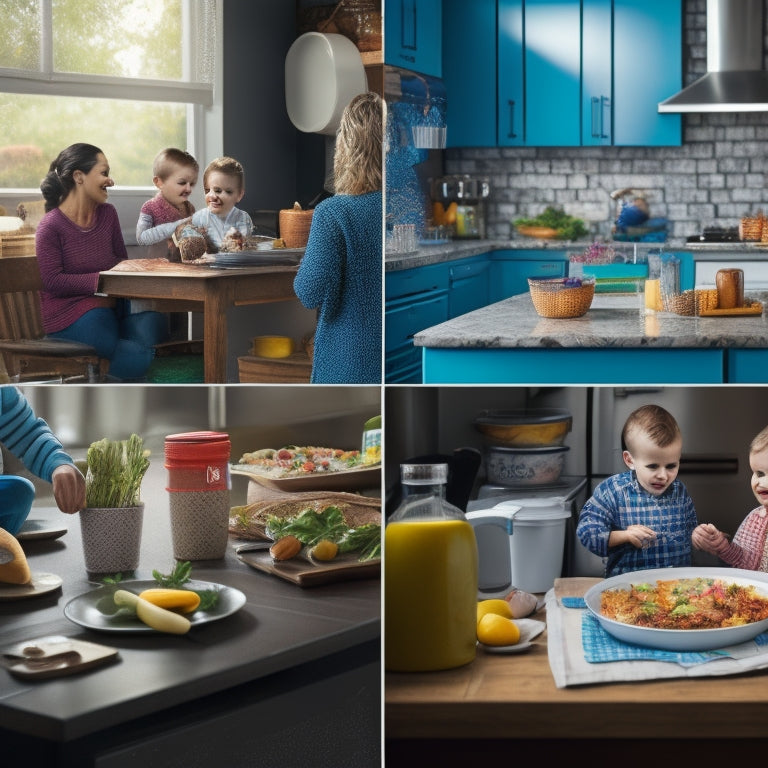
(460, 249)
(281, 627)
(613, 320)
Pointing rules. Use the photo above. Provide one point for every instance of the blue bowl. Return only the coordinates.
(16, 497)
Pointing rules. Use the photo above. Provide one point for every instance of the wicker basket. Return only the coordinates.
(294, 226)
(555, 298)
(692, 302)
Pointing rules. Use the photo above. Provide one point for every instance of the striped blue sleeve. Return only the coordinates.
(28, 437)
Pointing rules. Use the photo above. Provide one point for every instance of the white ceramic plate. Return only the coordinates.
(358, 478)
(93, 609)
(529, 629)
(679, 639)
(39, 529)
(41, 584)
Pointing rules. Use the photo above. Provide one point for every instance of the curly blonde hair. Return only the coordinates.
(357, 160)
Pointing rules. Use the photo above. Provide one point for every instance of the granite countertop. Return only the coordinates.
(613, 320)
(460, 249)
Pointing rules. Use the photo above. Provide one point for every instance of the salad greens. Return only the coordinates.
(568, 227)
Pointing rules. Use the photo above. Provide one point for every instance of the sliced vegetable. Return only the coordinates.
(184, 600)
(152, 615)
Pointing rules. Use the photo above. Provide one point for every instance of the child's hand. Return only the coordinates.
(640, 536)
(708, 538)
(68, 488)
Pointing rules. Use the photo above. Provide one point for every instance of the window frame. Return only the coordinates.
(204, 112)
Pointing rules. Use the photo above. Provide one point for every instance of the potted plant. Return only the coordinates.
(112, 519)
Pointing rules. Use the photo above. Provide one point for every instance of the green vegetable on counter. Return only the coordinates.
(568, 227)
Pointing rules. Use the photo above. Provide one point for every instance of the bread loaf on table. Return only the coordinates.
(14, 568)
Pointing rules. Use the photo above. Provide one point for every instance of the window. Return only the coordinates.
(125, 75)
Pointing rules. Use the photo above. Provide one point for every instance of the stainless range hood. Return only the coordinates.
(736, 80)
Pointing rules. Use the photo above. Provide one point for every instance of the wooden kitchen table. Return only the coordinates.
(507, 705)
(173, 287)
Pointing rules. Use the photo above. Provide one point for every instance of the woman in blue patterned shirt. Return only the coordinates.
(644, 517)
(340, 273)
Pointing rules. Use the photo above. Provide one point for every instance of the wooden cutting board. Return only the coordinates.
(307, 574)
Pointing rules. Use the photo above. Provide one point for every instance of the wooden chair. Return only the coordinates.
(26, 350)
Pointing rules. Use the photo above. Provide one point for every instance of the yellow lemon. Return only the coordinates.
(499, 607)
(493, 629)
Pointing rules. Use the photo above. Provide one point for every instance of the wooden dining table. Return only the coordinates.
(507, 705)
(178, 287)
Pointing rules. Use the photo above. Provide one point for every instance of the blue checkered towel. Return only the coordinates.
(599, 646)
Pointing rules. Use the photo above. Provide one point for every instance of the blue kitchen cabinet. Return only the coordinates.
(510, 69)
(596, 80)
(468, 287)
(470, 80)
(421, 297)
(510, 270)
(567, 72)
(552, 73)
(415, 299)
(647, 68)
(413, 35)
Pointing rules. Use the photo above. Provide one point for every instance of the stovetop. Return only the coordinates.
(716, 235)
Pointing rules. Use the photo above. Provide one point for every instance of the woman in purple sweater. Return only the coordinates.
(78, 237)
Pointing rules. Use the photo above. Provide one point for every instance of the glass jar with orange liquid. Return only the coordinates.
(430, 577)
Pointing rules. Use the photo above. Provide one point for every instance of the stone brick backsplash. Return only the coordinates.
(717, 176)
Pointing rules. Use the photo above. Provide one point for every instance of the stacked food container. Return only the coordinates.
(524, 456)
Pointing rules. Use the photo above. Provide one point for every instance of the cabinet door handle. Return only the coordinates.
(511, 133)
(599, 106)
(408, 35)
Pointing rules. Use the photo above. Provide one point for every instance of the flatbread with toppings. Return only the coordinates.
(694, 603)
(295, 461)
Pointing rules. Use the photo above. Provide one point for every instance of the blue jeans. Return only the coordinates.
(126, 340)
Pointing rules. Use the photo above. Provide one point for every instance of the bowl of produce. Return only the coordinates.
(525, 427)
(552, 223)
(508, 466)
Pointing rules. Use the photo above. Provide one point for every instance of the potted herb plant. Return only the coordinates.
(112, 519)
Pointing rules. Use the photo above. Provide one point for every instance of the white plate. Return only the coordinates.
(39, 529)
(41, 584)
(91, 610)
(529, 629)
(358, 478)
(679, 639)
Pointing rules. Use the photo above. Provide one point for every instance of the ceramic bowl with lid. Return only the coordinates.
(525, 427)
(518, 467)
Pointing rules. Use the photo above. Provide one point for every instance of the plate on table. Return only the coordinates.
(259, 258)
(41, 584)
(678, 639)
(529, 630)
(355, 479)
(40, 529)
(92, 610)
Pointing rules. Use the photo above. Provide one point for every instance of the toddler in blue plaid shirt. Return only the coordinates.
(644, 517)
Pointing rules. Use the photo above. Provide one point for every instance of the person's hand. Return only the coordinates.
(640, 536)
(708, 538)
(68, 488)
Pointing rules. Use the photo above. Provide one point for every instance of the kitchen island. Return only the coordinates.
(295, 672)
(616, 341)
(507, 706)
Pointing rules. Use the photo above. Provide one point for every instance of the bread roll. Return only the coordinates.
(14, 568)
